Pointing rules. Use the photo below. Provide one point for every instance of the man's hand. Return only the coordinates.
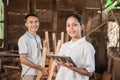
(44, 71)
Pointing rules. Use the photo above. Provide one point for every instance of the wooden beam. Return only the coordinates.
(96, 29)
(0, 64)
(28, 6)
(71, 10)
(33, 6)
(54, 15)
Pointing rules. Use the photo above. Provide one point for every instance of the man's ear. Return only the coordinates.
(82, 27)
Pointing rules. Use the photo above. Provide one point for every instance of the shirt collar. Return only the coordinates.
(78, 41)
(29, 35)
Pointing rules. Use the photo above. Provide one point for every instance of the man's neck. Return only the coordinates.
(32, 33)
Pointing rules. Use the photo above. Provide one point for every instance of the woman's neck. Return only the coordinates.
(75, 38)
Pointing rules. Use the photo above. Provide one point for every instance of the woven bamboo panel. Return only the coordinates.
(113, 34)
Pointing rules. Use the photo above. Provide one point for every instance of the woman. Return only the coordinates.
(81, 52)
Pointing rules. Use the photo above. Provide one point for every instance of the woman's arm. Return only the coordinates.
(81, 71)
(73, 68)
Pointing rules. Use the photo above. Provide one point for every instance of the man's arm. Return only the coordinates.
(25, 61)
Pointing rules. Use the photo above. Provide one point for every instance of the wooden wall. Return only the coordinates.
(52, 15)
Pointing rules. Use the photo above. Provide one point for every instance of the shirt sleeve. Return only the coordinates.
(89, 60)
(22, 45)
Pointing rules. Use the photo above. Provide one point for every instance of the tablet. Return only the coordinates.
(63, 58)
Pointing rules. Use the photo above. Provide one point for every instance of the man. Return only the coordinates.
(30, 49)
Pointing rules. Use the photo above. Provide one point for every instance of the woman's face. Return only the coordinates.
(73, 27)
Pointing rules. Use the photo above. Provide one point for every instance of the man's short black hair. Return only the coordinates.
(30, 14)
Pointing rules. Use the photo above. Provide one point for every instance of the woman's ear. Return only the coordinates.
(25, 24)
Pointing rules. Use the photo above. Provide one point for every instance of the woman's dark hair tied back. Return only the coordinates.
(78, 17)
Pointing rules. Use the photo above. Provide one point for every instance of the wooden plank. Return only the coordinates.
(107, 76)
(110, 62)
(47, 40)
(45, 52)
(52, 63)
(15, 18)
(11, 67)
(44, 4)
(3, 54)
(0, 64)
(58, 46)
(54, 41)
(87, 28)
(4, 75)
(18, 6)
(66, 37)
(54, 14)
(39, 76)
(62, 37)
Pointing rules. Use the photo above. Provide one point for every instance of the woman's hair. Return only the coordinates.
(78, 17)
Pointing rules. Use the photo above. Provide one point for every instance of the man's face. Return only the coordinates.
(32, 23)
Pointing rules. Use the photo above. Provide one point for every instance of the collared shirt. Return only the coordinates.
(82, 53)
(31, 46)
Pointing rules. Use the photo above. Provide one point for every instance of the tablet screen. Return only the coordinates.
(63, 58)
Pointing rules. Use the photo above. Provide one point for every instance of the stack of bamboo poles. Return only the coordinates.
(46, 51)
